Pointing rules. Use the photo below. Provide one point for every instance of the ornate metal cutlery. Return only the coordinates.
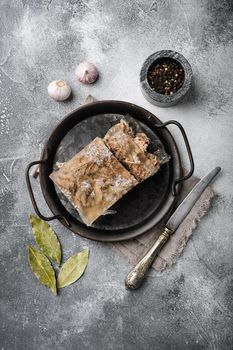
(137, 275)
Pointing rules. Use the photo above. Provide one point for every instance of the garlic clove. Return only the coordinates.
(59, 90)
(86, 73)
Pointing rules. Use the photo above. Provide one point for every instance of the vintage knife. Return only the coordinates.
(137, 275)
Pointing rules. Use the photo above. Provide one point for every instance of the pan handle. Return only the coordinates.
(29, 186)
(189, 174)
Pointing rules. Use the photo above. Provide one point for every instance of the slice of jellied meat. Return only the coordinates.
(131, 151)
(93, 180)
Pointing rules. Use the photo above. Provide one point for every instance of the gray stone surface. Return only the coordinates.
(190, 305)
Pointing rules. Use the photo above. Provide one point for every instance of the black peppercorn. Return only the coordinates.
(166, 76)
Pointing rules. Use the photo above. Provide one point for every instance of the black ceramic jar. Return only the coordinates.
(155, 97)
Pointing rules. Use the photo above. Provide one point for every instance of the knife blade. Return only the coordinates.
(186, 205)
(137, 275)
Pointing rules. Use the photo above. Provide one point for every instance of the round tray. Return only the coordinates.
(141, 208)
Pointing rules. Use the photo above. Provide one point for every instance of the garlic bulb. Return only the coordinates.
(86, 72)
(59, 90)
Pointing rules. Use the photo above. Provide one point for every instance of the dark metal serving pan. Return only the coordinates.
(141, 208)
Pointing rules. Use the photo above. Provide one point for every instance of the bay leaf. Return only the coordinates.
(46, 238)
(73, 268)
(42, 268)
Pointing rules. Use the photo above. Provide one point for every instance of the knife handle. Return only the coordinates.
(138, 274)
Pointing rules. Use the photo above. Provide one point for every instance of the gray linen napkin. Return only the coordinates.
(134, 249)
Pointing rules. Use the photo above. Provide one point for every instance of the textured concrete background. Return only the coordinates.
(190, 305)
